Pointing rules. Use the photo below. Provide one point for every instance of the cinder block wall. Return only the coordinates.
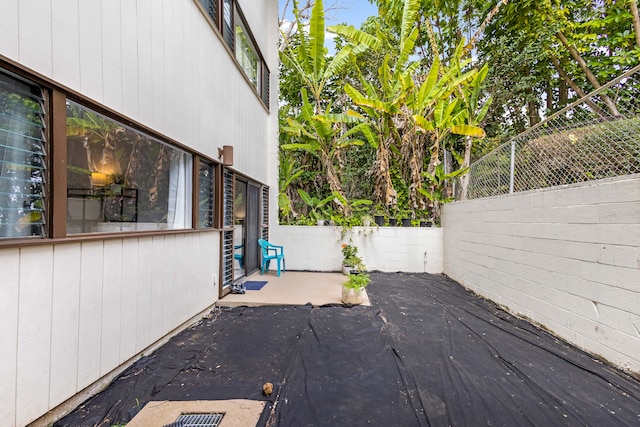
(389, 249)
(567, 258)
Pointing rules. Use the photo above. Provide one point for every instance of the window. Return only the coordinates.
(206, 195)
(227, 22)
(211, 8)
(120, 179)
(237, 36)
(22, 158)
(246, 54)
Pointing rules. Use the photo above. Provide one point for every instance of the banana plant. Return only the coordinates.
(309, 56)
(437, 192)
(323, 136)
(287, 174)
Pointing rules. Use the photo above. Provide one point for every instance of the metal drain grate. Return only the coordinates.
(197, 420)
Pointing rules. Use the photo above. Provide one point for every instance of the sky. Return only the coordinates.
(352, 12)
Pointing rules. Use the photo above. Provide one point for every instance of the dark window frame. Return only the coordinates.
(56, 96)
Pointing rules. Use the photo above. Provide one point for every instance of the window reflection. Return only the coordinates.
(119, 179)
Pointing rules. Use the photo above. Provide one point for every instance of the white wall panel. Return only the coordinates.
(64, 322)
(34, 333)
(9, 291)
(159, 290)
(112, 54)
(65, 42)
(90, 328)
(35, 32)
(9, 35)
(111, 298)
(387, 249)
(158, 68)
(90, 41)
(129, 299)
(145, 63)
(146, 265)
(129, 49)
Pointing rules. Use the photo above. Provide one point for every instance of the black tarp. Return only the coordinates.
(426, 353)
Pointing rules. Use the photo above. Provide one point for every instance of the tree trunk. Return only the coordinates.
(575, 87)
(590, 76)
(636, 20)
(465, 179)
(563, 96)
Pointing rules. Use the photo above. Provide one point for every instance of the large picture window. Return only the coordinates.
(120, 179)
(22, 158)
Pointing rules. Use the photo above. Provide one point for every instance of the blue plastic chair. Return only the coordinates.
(271, 252)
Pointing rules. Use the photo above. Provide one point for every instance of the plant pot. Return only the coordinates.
(393, 222)
(346, 269)
(351, 296)
(379, 220)
(366, 223)
(320, 222)
(406, 222)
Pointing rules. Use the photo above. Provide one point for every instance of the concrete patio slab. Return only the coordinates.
(292, 288)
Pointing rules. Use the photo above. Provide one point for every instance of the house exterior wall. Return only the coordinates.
(567, 258)
(73, 312)
(388, 249)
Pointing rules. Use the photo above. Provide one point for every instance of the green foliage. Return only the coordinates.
(357, 281)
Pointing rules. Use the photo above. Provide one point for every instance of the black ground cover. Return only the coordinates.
(427, 353)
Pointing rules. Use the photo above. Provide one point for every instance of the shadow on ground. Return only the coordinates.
(426, 353)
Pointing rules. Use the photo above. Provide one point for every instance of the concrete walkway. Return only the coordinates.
(292, 288)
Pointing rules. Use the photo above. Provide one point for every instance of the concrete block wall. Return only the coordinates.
(389, 249)
(567, 258)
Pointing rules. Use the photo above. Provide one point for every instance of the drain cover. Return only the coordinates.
(197, 420)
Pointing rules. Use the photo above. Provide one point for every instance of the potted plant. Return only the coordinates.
(378, 215)
(405, 216)
(350, 260)
(352, 289)
(366, 220)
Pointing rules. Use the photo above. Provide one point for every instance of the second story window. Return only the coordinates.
(228, 20)
(246, 54)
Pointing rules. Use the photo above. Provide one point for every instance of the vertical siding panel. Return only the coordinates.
(35, 35)
(168, 297)
(64, 322)
(9, 40)
(65, 42)
(34, 333)
(89, 339)
(171, 54)
(158, 66)
(129, 49)
(9, 293)
(90, 37)
(146, 265)
(145, 66)
(111, 54)
(111, 296)
(158, 291)
(129, 301)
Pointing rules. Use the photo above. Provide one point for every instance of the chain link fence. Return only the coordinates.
(596, 137)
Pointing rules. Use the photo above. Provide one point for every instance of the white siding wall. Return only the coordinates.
(567, 258)
(72, 313)
(158, 62)
(389, 249)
